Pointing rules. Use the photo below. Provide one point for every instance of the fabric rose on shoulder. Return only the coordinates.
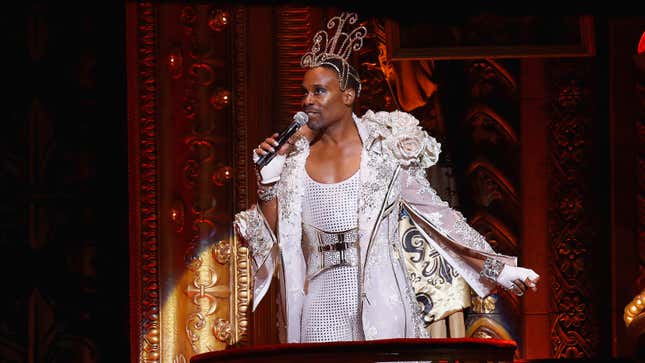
(408, 142)
(377, 123)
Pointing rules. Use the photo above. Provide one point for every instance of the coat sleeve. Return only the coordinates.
(447, 229)
(252, 226)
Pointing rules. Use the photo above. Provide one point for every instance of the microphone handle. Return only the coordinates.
(282, 138)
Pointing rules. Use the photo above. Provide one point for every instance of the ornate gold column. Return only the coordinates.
(182, 182)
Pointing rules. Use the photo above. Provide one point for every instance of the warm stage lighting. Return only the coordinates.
(218, 19)
(220, 99)
(222, 175)
(175, 62)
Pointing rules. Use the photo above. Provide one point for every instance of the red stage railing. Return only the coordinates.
(460, 350)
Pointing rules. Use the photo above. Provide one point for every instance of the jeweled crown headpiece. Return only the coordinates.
(339, 47)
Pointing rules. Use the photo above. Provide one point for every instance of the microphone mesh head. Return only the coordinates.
(301, 118)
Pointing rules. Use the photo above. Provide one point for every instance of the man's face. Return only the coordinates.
(322, 99)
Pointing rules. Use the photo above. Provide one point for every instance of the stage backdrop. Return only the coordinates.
(525, 159)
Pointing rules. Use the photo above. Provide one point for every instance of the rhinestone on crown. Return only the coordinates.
(338, 46)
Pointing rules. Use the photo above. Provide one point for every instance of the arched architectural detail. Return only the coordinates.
(488, 77)
(500, 236)
(490, 185)
(489, 127)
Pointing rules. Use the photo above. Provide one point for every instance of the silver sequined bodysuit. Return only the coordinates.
(330, 246)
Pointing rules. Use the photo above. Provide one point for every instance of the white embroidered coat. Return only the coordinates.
(388, 305)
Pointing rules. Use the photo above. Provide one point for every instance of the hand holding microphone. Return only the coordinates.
(267, 156)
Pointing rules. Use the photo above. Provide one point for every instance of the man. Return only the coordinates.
(329, 206)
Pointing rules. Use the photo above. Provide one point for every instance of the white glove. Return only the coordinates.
(270, 173)
(517, 279)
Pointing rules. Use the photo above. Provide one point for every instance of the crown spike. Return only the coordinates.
(339, 46)
(324, 47)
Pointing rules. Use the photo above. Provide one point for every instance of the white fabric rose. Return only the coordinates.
(381, 116)
(406, 146)
(430, 154)
(404, 138)
(408, 142)
(402, 122)
(377, 123)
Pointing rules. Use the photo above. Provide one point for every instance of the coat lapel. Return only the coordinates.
(375, 176)
(290, 196)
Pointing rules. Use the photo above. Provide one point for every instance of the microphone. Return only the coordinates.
(299, 119)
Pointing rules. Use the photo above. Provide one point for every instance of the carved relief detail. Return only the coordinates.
(483, 305)
(242, 292)
(148, 206)
(242, 148)
(575, 329)
(635, 309)
(488, 126)
(206, 259)
(240, 268)
(489, 78)
(490, 184)
(487, 328)
(222, 330)
(222, 252)
(293, 37)
(496, 232)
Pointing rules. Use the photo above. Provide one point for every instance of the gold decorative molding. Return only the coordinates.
(488, 329)
(144, 231)
(241, 293)
(180, 301)
(239, 267)
(206, 291)
(222, 252)
(222, 330)
(483, 305)
(634, 309)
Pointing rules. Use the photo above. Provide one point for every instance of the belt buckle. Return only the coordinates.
(340, 247)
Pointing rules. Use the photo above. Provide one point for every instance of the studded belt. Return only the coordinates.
(323, 250)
